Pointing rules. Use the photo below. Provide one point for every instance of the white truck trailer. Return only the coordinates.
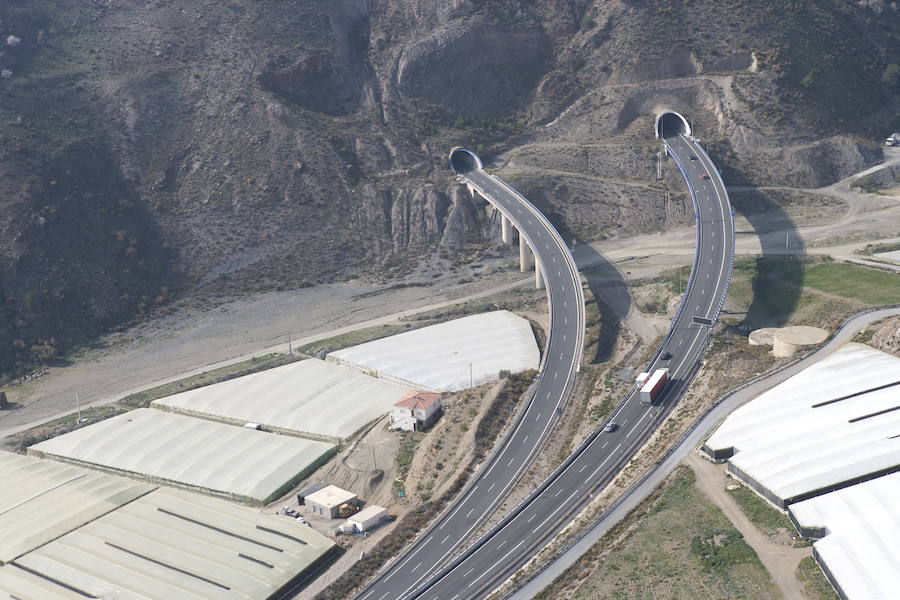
(653, 386)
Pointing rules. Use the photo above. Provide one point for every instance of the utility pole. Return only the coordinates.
(78, 406)
(290, 350)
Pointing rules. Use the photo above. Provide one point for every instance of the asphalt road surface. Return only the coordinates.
(694, 437)
(531, 525)
(562, 355)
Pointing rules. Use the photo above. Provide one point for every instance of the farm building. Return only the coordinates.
(174, 545)
(368, 518)
(310, 398)
(830, 426)
(859, 526)
(328, 500)
(416, 411)
(240, 464)
(449, 356)
(41, 500)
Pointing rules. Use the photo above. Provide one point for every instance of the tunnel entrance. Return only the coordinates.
(670, 124)
(463, 160)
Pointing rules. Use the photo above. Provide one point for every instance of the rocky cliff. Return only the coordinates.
(206, 148)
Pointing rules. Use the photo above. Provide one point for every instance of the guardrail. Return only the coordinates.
(570, 262)
(731, 221)
(475, 546)
(675, 322)
(573, 270)
(681, 440)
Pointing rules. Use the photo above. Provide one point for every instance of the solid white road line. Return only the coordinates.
(638, 423)
(600, 466)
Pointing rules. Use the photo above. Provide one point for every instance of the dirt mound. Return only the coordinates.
(887, 337)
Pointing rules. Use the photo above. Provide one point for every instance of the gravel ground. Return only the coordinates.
(191, 340)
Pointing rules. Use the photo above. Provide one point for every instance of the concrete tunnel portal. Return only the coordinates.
(670, 123)
(463, 160)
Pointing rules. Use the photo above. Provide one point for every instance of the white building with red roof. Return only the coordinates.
(416, 410)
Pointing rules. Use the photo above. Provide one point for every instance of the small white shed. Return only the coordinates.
(367, 518)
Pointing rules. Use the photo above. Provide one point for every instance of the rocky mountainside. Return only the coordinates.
(209, 148)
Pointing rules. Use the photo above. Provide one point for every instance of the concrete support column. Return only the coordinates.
(505, 229)
(472, 191)
(526, 258)
(538, 276)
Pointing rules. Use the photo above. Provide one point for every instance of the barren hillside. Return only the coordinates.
(209, 148)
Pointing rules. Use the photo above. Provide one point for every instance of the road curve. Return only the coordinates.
(560, 361)
(538, 519)
(692, 439)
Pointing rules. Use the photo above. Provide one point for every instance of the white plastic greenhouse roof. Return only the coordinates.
(863, 528)
(173, 545)
(800, 436)
(437, 357)
(41, 500)
(234, 462)
(19, 584)
(311, 397)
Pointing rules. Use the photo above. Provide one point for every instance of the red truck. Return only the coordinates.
(653, 385)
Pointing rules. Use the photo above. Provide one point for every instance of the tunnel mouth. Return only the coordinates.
(671, 124)
(463, 160)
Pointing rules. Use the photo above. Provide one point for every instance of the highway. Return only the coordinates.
(536, 521)
(560, 361)
(693, 438)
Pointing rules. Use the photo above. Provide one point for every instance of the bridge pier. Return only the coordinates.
(526, 257)
(505, 229)
(538, 276)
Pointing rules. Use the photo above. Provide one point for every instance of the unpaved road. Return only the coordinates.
(781, 561)
(193, 340)
(868, 218)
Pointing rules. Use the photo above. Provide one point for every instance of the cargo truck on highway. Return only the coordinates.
(653, 385)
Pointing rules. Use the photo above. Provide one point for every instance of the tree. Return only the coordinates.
(891, 75)
(808, 81)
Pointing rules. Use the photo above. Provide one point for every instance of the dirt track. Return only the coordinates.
(781, 561)
(193, 340)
